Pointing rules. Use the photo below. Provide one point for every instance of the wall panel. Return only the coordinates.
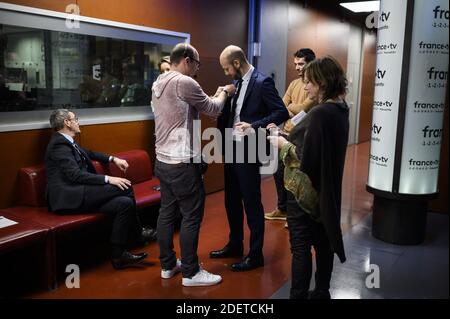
(212, 26)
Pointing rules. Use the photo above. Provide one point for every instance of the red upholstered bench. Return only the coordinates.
(28, 234)
(32, 185)
(140, 174)
(32, 203)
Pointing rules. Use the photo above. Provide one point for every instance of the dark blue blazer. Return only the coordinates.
(262, 104)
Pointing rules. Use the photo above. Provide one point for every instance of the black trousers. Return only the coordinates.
(279, 184)
(182, 191)
(243, 190)
(305, 233)
(110, 199)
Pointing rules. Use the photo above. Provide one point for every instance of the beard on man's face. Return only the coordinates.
(237, 74)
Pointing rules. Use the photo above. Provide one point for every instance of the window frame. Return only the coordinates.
(30, 17)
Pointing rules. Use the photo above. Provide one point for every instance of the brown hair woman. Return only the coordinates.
(314, 156)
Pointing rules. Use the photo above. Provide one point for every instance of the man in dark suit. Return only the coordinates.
(255, 105)
(73, 186)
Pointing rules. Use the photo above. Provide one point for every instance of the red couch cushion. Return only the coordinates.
(145, 194)
(33, 180)
(100, 168)
(140, 169)
(22, 234)
(32, 183)
(53, 221)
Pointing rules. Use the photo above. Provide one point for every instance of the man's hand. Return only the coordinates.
(272, 127)
(121, 164)
(231, 89)
(277, 141)
(120, 182)
(219, 90)
(242, 126)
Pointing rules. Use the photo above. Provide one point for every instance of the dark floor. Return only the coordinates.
(405, 271)
(416, 271)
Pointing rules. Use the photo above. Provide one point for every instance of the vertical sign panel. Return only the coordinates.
(391, 33)
(428, 76)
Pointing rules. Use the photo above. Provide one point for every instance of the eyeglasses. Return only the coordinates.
(198, 62)
(75, 119)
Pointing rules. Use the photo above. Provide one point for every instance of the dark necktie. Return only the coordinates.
(234, 104)
(77, 148)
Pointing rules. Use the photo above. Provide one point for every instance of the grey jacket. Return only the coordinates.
(178, 101)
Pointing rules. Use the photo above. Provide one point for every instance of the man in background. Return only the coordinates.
(296, 101)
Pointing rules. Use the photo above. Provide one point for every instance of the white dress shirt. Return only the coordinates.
(240, 100)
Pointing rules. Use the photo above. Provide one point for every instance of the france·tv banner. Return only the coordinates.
(428, 76)
(391, 34)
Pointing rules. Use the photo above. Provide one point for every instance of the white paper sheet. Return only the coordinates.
(298, 118)
(5, 222)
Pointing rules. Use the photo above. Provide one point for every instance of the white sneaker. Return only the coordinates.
(167, 274)
(202, 278)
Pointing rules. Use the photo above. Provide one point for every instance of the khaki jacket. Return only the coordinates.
(296, 100)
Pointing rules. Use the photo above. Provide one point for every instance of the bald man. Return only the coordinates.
(255, 104)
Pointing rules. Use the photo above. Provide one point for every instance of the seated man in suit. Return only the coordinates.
(73, 186)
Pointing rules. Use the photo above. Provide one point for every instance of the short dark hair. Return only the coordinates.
(329, 75)
(305, 53)
(181, 51)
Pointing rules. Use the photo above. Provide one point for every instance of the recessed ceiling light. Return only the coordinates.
(362, 6)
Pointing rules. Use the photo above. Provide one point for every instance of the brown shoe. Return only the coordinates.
(276, 215)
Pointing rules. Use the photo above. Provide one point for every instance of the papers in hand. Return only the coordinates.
(5, 222)
(298, 118)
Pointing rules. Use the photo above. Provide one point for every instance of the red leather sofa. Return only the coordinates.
(37, 224)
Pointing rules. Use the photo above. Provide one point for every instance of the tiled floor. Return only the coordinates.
(272, 280)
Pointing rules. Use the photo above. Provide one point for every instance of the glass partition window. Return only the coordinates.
(43, 69)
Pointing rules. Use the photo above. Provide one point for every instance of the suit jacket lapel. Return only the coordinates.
(84, 153)
(249, 87)
(75, 152)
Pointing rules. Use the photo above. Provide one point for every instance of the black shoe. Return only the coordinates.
(226, 252)
(128, 259)
(148, 235)
(320, 294)
(248, 263)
